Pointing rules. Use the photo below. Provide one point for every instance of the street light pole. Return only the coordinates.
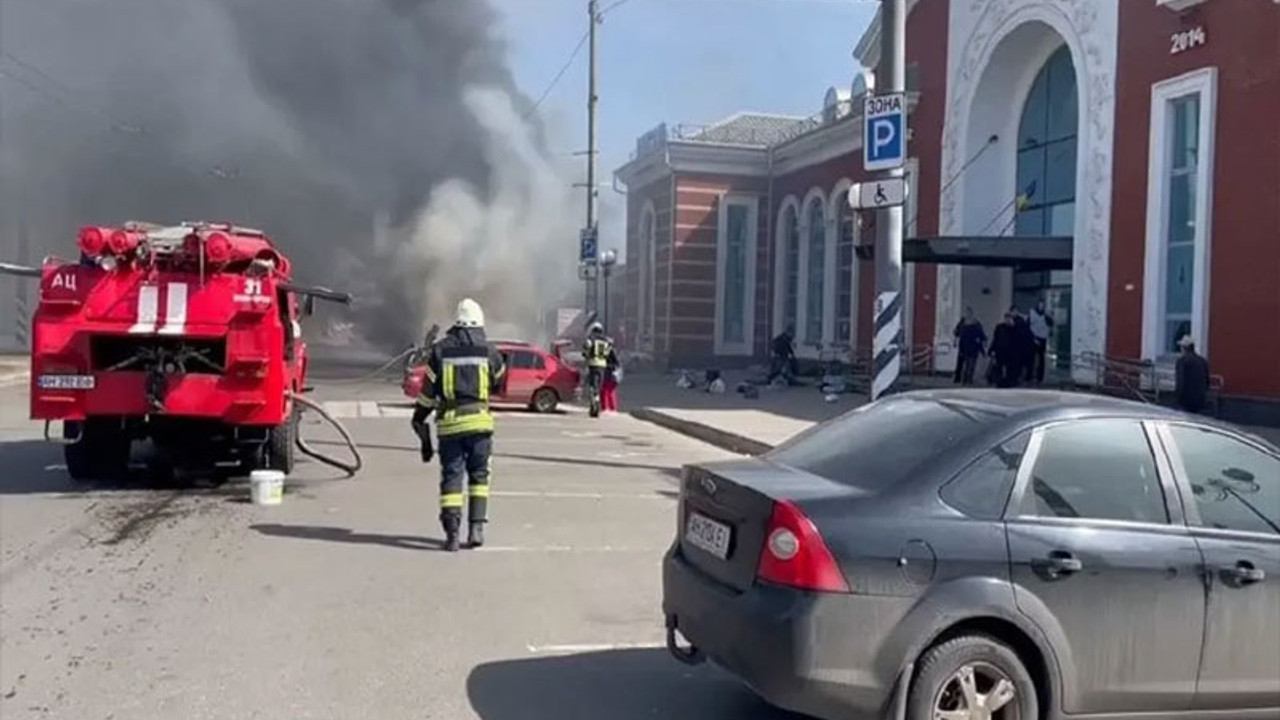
(592, 153)
(887, 345)
(607, 260)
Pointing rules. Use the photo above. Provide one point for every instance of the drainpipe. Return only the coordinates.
(671, 249)
(770, 241)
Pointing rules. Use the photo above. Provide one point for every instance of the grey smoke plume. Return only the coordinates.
(382, 143)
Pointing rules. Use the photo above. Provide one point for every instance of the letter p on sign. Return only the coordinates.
(884, 132)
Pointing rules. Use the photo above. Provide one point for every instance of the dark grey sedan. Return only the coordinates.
(976, 554)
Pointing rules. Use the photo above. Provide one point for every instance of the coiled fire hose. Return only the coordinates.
(349, 468)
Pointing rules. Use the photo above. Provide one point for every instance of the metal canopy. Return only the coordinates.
(1024, 253)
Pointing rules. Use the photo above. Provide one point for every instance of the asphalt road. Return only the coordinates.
(153, 603)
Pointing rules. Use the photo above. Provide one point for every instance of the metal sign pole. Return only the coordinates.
(887, 343)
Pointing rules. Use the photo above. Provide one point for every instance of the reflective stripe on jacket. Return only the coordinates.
(463, 369)
(596, 351)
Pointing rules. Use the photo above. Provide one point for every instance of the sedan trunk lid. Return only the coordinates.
(725, 510)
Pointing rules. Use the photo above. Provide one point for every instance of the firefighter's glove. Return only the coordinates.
(428, 451)
(423, 431)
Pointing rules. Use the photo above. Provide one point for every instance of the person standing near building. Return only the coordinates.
(609, 389)
(971, 342)
(1040, 323)
(1191, 377)
(782, 351)
(461, 368)
(1002, 371)
(596, 350)
(1022, 348)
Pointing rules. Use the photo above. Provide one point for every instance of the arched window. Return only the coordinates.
(844, 268)
(791, 267)
(1047, 151)
(815, 307)
(644, 318)
(1046, 193)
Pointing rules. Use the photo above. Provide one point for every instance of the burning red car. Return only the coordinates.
(536, 378)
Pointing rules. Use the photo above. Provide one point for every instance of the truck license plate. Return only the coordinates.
(66, 382)
(707, 534)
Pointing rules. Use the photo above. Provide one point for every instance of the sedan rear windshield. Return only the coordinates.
(878, 445)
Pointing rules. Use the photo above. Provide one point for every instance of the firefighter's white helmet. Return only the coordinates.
(595, 328)
(469, 314)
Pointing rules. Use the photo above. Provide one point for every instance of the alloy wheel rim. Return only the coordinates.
(976, 691)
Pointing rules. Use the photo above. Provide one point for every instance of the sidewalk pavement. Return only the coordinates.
(750, 426)
(14, 369)
(731, 421)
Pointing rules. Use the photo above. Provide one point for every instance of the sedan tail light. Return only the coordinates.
(795, 555)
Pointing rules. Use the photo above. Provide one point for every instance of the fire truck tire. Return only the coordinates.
(101, 454)
(282, 444)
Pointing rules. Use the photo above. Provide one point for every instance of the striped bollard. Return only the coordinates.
(885, 347)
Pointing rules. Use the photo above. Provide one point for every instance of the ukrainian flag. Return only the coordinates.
(1024, 198)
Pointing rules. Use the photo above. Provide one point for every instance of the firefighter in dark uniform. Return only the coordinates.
(596, 351)
(461, 370)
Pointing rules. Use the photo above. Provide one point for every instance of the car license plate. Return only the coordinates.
(707, 534)
(66, 382)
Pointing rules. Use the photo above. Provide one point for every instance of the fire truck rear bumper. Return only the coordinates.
(235, 401)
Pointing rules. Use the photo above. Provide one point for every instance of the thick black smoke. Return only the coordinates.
(381, 142)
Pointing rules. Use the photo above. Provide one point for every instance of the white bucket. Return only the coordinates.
(266, 487)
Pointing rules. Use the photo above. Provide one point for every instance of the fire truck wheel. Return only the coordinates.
(101, 454)
(282, 445)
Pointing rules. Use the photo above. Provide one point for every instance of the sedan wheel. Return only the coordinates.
(977, 691)
(545, 400)
(972, 677)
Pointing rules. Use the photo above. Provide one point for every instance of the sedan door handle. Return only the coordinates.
(1244, 573)
(1059, 563)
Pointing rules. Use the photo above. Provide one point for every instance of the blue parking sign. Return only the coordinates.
(884, 145)
(587, 246)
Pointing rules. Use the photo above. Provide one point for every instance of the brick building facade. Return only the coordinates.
(1134, 144)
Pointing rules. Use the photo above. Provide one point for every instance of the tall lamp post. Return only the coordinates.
(608, 259)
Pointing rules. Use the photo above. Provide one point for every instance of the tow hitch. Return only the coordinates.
(688, 656)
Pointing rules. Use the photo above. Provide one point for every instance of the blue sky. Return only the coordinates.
(679, 61)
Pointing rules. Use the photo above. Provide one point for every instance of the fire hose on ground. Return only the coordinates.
(349, 468)
(353, 467)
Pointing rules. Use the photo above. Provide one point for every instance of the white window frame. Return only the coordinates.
(780, 266)
(647, 257)
(835, 210)
(910, 229)
(1204, 82)
(803, 348)
(751, 287)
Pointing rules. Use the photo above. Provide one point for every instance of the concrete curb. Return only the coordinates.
(15, 377)
(722, 439)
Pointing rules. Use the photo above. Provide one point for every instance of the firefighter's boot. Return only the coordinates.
(451, 530)
(475, 535)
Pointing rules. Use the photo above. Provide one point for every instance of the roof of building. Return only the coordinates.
(749, 128)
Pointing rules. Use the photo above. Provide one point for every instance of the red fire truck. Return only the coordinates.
(185, 335)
